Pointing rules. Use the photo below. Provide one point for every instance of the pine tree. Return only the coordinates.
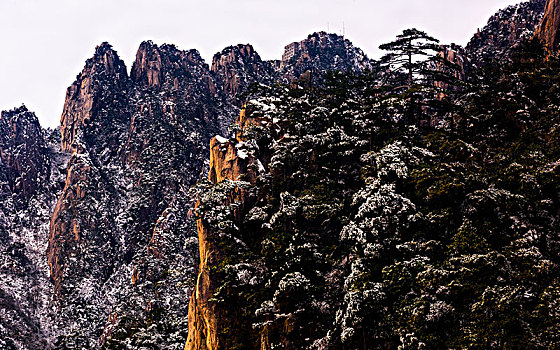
(415, 72)
(408, 53)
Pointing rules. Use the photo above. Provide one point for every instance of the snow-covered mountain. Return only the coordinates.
(99, 246)
(31, 178)
(505, 30)
(97, 237)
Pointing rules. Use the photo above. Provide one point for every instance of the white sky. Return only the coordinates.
(44, 43)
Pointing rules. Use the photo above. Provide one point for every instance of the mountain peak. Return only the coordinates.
(153, 63)
(22, 148)
(322, 52)
(103, 72)
(103, 48)
(237, 66)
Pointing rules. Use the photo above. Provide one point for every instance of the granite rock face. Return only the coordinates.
(548, 32)
(319, 53)
(104, 76)
(237, 67)
(23, 153)
(504, 31)
(229, 161)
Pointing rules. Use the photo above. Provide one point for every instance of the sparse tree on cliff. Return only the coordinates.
(408, 53)
(413, 67)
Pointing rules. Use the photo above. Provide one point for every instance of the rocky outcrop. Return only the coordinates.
(452, 63)
(30, 167)
(103, 77)
(548, 31)
(82, 245)
(76, 227)
(203, 318)
(237, 67)
(122, 210)
(25, 164)
(158, 66)
(148, 67)
(455, 55)
(504, 31)
(226, 161)
(66, 234)
(319, 53)
(229, 160)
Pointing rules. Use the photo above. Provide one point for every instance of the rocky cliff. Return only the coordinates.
(209, 321)
(504, 31)
(31, 171)
(548, 32)
(452, 63)
(237, 67)
(103, 78)
(23, 154)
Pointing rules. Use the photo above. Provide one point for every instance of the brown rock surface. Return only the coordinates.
(148, 67)
(548, 31)
(225, 162)
(453, 62)
(203, 320)
(64, 233)
(22, 153)
(104, 71)
(237, 67)
(158, 66)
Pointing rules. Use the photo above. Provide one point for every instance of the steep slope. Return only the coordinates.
(118, 235)
(30, 177)
(83, 242)
(548, 32)
(357, 231)
(101, 84)
(319, 53)
(114, 210)
(504, 31)
(239, 66)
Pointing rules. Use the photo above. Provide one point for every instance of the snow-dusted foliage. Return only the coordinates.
(372, 214)
(368, 230)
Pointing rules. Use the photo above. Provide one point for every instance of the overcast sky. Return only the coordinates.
(44, 43)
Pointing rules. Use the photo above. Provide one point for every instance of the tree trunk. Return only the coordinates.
(410, 71)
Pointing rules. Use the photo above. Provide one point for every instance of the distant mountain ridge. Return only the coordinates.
(135, 144)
